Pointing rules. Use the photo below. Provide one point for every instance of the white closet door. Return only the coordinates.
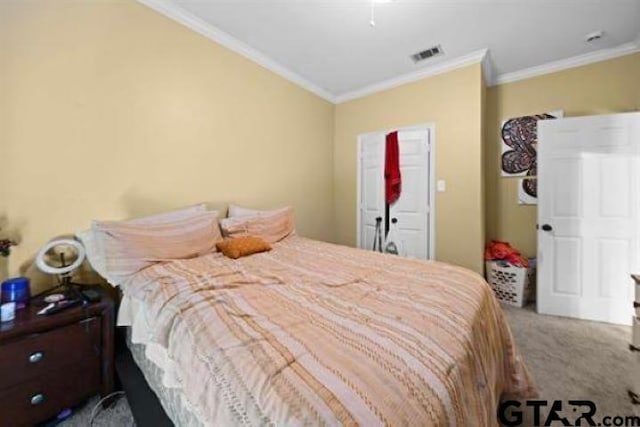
(589, 216)
(371, 186)
(412, 208)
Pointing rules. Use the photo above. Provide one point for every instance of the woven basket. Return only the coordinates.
(509, 283)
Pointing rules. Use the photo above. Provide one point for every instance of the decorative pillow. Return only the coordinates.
(242, 246)
(271, 227)
(238, 211)
(93, 245)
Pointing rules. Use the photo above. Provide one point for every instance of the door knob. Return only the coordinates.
(546, 227)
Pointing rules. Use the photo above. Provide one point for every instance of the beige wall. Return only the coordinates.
(110, 110)
(452, 102)
(605, 87)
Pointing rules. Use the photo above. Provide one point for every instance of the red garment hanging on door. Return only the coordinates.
(392, 178)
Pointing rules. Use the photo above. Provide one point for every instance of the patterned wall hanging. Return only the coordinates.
(519, 144)
(528, 191)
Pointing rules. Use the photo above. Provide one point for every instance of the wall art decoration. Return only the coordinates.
(519, 137)
(528, 191)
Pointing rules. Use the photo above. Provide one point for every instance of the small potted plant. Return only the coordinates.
(5, 247)
(5, 251)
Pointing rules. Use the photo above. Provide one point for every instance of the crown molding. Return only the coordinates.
(488, 68)
(439, 68)
(178, 14)
(572, 62)
(483, 56)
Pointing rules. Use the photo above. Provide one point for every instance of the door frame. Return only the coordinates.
(431, 163)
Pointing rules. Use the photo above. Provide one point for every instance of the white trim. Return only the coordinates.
(359, 191)
(431, 131)
(439, 68)
(572, 62)
(432, 191)
(178, 14)
(488, 68)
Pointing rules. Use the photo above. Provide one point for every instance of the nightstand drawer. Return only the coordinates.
(39, 354)
(43, 397)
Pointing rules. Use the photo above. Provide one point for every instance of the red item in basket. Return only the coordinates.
(497, 250)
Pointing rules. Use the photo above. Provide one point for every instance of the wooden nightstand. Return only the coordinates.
(48, 363)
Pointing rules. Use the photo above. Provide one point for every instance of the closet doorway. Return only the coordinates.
(413, 214)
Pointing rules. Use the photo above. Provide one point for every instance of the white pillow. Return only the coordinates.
(238, 211)
(271, 226)
(93, 252)
(94, 246)
(131, 247)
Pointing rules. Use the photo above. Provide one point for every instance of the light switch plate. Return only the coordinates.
(442, 185)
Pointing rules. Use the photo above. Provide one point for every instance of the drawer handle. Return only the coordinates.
(37, 399)
(633, 347)
(36, 357)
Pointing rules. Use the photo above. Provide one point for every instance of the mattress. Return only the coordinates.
(319, 334)
(172, 399)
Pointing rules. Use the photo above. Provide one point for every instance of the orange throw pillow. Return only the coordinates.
(242, 246)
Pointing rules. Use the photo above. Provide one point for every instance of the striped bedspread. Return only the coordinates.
(319, 334)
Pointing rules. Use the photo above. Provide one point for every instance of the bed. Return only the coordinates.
(312, 333)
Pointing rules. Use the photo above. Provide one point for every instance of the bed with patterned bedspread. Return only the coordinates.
(312, 333)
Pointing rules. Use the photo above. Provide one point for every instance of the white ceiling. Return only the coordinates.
(330, 44)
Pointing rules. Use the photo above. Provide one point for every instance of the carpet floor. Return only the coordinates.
(569, 360)
(572, 359)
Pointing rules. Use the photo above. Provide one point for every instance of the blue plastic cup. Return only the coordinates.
(16, 290)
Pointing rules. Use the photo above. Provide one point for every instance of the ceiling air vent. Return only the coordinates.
(427, 53)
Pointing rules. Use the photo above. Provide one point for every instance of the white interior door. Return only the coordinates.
(589, 216)
(412, 209)
(371, 186)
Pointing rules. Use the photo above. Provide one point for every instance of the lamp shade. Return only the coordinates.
(42, 257)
